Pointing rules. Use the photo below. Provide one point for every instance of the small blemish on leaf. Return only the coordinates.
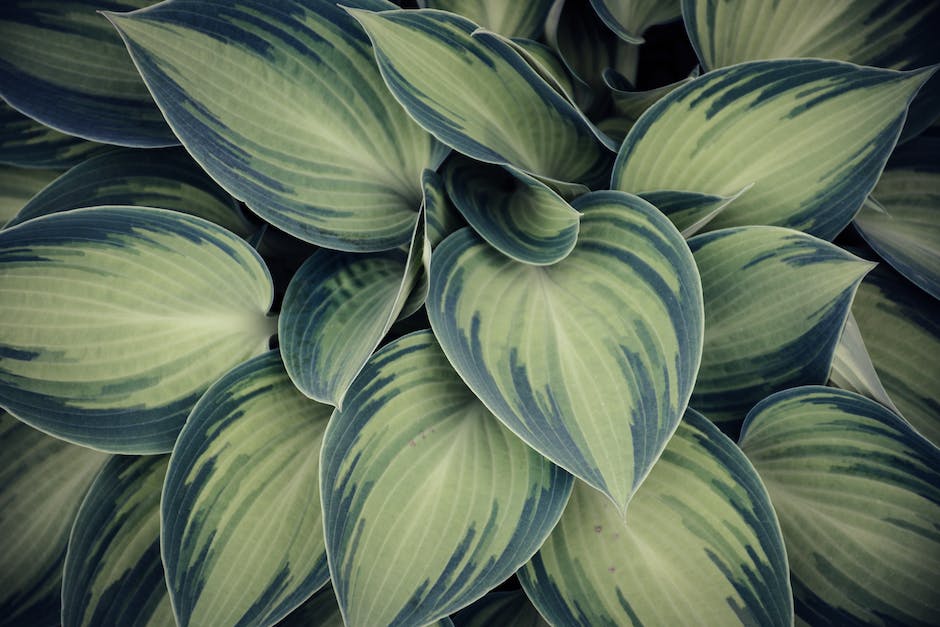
(598, 529)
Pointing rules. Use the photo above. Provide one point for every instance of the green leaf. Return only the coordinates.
(852, 368)
(505, 609)
(443, 218)
(167, 179)
(42, 483)
(515, 213)
(902, 332)
(775, 302)
(858, 495)
(549, 66)
(113, 574)
(630, 18)
(512, 19)
(320, 610)
(428, 500)
(700, 546)
(18, 185)
(907, 233)
(688, 211)
(812, 136)
(242, 531)
(598, 376)
(337, 308)
(630, 103)
(116, 319)
(319, 149)
(499, 111)
(63, 65)
(26, 143)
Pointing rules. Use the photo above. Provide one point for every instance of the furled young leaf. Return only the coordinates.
(858, 495)
(700, 546)
(901, 328)
(475, 93)
(442, 217)
(630, 18)
(428, 501)
(42, 483)
(852, 368)
(907, 232)
(62, 64)
(18, 185)
(167, 179)
(284, 107)
(26, 143)
(242, 532)
(689, 211)
(113, 574)
(516, 214)
(512, 19)
(812, 136)
(116, 319)
(775, 302)
(508, 609)
(337, 308)
(590, 360)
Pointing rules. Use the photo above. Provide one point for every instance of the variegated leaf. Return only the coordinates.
(812, 136)
(428, 500)
(858, 495)
(338, 307)
(512, 19)
(113, 574)
(775, 302)
(907, 233)
(630, 103)
(167, 179)
(503, 609)
(116, 319)
(700, 546)
(548, 65)
(499, 111)
(443, 218)
(26, 143)
(598, 376)
(42, 483)
(18, 185)
(630, 18)
(242, 532)
(689, 211)
(516, 214)
(852, 368)
(63, 65)
(319, 149)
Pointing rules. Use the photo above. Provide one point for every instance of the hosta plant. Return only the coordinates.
(478, 312)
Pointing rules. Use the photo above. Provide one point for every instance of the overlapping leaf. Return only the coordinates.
(18, 185)
(630, 18)
(599, 373)
(442, 217)
(428, 500)
(630, 103)
(689, 211)
(852, 368)
(512, 19)
(62, 64)
(510, 609)
(42, 483)
(284, 107)
(775, 302)
(700, 546)
(116, 319)
(242, 533)
(26, 143)
(811, 136)
(858, 495)
(113, 574)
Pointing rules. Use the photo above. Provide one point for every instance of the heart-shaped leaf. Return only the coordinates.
(858, 495)
(598, 376)
(700, 546)
(26, 143)
(118, 318)
(242, 532)
(428, 501)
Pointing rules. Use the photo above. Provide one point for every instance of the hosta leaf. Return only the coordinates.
(549, 66)
(516, 214)
(907, 234)
(428, 500)
(442, 217)
(775, 301)
(630, 103)
(242, 531)
(852, 368)
(512, 19)
(506, 609)
(26, 143)
(337, 308)
(320, 610)
(18, 185)
(630, 18)
(167, 179)
(598, 376)
(63, 65)
(689, 211)
(901, 328)
(113, 574)
(499, 111)
(858, 495)
(116, 319)
(42, 483)
(700, 546)
(812, 136)
(319, 149)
